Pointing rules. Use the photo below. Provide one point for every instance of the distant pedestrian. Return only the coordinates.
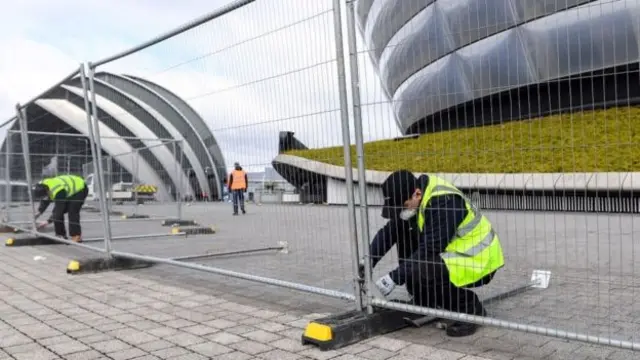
(237, 185)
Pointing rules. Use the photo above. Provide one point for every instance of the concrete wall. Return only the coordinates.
(337, 193)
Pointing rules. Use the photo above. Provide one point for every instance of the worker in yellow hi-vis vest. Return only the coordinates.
(445, 246)
(68, 193)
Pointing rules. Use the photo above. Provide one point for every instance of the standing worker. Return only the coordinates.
(445, 246)
(237, 185)
(68, 193)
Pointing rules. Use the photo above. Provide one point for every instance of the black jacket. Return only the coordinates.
(442, 217)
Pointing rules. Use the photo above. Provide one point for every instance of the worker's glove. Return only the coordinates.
(385, 285)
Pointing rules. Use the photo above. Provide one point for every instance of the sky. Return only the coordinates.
(267, 67)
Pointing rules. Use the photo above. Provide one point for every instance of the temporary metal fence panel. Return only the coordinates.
(213, 95)
(493, 89)
(486, 83)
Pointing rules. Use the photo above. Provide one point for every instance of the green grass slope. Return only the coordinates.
(589, 141)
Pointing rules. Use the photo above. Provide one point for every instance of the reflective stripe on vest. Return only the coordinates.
(72, 184)
(238, 181)
(475, 252)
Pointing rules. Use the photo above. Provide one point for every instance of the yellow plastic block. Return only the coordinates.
(9, 242)
(73, 266)
(175, 230)
(319, 332)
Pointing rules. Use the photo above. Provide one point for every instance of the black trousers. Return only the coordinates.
(71, 206)
(431, 287)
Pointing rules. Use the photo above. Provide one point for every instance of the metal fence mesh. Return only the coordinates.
(482, 89)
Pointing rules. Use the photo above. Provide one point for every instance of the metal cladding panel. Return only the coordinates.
(428, 43)
(499, 44)
(77, 119)
(578, 41)
(439, 86)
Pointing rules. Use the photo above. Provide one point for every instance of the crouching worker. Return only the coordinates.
(68, 193)
(445, 246)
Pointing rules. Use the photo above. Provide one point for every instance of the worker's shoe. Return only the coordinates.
(460, 329)
(76, 238)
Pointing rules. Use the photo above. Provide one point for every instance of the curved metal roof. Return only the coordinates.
(433, 55)
(137, 107)
(77, 119)
(172, 114)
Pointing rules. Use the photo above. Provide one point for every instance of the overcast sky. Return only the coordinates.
(267, 67)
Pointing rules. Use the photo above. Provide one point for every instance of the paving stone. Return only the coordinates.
(162, 331)
(445, 355)
(68, 347)
(240, 329)
(279, 355)
(221, 324)
(132, 336)
(250, 347)
(13, 338)
(95, 339)
(171, 352)
(348, 357)
(377, 354)
(84, 355)
(42, 354)
(289, 345)
(184, 339)
(271, 326)
(110, 346)
(25, 348)
(225, 338)
(178, 323)
(315, 353)
(127, 354)
(236, 355)
(210, 349)
(261, 336)
(155, 345)
(39, 331)
(388, 343)
(190, 356)
(200, 330)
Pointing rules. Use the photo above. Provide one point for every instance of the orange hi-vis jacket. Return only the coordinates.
(237, 180)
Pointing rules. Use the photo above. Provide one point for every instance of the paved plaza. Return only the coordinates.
(167, 312)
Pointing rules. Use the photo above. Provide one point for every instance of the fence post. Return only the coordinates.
(135, 184)
(346, 139)
(96, 152)
(22, 119)
(178, 166)
(7, 175)
(357, 123)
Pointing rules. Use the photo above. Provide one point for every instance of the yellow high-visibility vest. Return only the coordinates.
(475, 252)
(72, 184)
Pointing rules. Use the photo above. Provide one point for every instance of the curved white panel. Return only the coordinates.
(161, 153)
(193, 119)
(188, 123)
(186, 147)
(77, 118)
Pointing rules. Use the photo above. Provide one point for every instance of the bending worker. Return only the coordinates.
(237, 187)
(68, 193)
(445, 246)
